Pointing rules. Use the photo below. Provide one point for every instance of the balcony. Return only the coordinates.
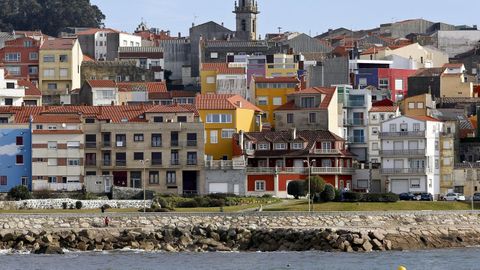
(301, 170)
(156, 162)
(107, 162)
(174, 144)
(356, 139)
(354, 122)
(121, 163)
(192, 143)
(175, 162)
(404, 152)
(397, 171)
(106, 144)
(354, 104)
(225, 164)
(121, 144)
(250, 152)
(192, 162)
(416, 134)
(326, 151)
(91, 145)
(90, 163)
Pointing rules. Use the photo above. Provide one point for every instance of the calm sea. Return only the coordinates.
(432, 260)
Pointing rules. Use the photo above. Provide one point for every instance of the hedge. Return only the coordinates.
(370, 197)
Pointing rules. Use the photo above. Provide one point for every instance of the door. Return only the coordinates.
(108, 184)
(413, 145)
(398, 165)
(236, 189)
(376, 186)
(400, 186)
(298, 164)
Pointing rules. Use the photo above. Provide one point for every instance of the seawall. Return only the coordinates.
(358, 231)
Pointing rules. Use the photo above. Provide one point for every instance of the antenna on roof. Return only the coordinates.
(279, 29)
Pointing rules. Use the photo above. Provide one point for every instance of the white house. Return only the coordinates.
(376, 116)
(410, 154)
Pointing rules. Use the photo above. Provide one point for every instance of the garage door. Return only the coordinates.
(399, 186)
(218, 188)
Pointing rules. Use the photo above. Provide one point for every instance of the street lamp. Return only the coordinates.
(471, 168)
(144, 163)
(309, 165)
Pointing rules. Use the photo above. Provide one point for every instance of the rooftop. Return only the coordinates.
(222, 68)
(223, 102)
(58, 44)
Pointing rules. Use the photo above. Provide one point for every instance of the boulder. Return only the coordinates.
(367, 246)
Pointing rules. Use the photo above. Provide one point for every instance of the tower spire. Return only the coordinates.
(246, 12)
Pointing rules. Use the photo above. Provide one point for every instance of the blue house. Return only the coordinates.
(15, 158)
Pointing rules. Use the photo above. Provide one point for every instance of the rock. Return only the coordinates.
(367, 246)
(358, 241)
(50, 250)
(388, 244)
(377, 235)
(147, 246)
(82, 246)
(47, 238)
(29, 238)
(169, 248)
(377, 245)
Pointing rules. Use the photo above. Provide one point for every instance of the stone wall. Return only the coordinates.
(58, 204)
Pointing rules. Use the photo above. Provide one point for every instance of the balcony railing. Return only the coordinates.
(225, 164)
(355, 103)
(404, 152)
(156, 162)
(121, 144)
(156, 144)
(107, 162)
(174, 144)
(356, 139)
(192, 162)
(121, 163)
(404, 171)
(90, 162)
(354, 122)
(106, 144)
(326, 151)
(402, 134)
(91, 145)
(301, 170)
(192, 143)
(175, 162)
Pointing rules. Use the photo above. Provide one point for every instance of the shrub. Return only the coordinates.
(338, 195)
(43, 194)
(380, 197)
(317, 185)
(78, 205)
(221, 195)
(217, 203)
(328, 193)
(64, 205)
(71, 206)
(187, 204)
(19, 193)
(352, 196)
(296, 189)
(267, 196)
(203, 201)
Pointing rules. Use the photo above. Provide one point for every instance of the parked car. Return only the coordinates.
(426, 197)
(476, 197)
(454, 197)
(408, 196)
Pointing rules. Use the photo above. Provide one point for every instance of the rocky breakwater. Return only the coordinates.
(352, 232)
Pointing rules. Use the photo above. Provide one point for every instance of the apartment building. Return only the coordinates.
(271, 93)
(275, 158)
(224, 78)
(20, 58)
(282, 65)
(454, 81)
(99, 93)
(150, 58)
(410, 154)
(60, 62)
(376, 116)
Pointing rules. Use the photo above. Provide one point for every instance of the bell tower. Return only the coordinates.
(247, 13)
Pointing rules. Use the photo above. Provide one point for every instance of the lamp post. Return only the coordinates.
(471, 179)
(144, 184)
(309, 166)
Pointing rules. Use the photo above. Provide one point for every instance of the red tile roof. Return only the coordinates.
(328, 93)
(57, 118)
(102, 84)
(93, 31)
(87, 58)
(168, 109)
(223, 102)
(30, 88)
(424, 118)
(58, 44)
(383, 103)
(222, 68)
(384, 109)
(151, 87)
(453, 65)
(276, 80)
(52, 132)
(22, 114)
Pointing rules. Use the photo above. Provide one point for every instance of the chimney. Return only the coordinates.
(294, 133)
(239, 104)
(100, 110)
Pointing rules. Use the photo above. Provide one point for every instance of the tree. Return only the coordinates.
(19, 193)
(49, 16)
(328, 193)
(296, 189)
(317, 185)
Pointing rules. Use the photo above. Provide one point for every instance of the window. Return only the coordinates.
(3, 120)
(171, 178)
(219, 118)
(156, 140)
(228, 133)
(374, 146)
(10, 85)
(214, 136)
(154, 178)
(121, 140)
(308, 102)
(158, 119)
(52, 162)
(64, 72)
(214, 55)
(280, 146)
(24, 181)
(403, 127)
(181, 119)
(383, 83)
(416, 127)
(447, 145)
(3, 180)
(63, 58)
(374, 116)
(260, 185)
(290, 118)
(52, 145)
(414, 183)
(262, 101)
(312, 118)
(73, 145)
(191, 139)
(326, 145)
(393, 128)
(437, 164)
(52, 127)
(358, 136)
(138, 138)
(14, 70)
(277, 101)
(73, 162)
(52, 86)
(105, 94)
(263, 146)
(19, 160)
(210, 80)
(33, 56)
(192, 158)
(19, 140)
(33, 70)
(382, 117)
(156, 158)
(120, 159)
(447, 161)
(12, 57)
(48, 58)
(297, 146)
(399, 84)
(411, 105)
(174, 139)
(138, 156)
(374, 131)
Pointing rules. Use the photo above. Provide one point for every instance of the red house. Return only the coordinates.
(20, 58)
(275, 158)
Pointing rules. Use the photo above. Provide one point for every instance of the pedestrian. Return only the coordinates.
(107, 221)
(102, 209)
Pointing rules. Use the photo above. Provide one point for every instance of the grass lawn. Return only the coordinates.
(398, 206)
(68, 211)
(227, 209)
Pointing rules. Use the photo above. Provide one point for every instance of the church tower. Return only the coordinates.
(247, 11)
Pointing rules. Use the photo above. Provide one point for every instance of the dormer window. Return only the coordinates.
(297, 146)
(308, 102)
(280, 146)
(326, 145)
(263, 146)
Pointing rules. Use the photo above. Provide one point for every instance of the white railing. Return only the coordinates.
(225, 164)
(301, 170)
(326, 151)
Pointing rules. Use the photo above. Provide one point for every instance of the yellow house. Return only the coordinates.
(60, 63)
(282, 65)
(220, 78)
(453, 82)
(223, 116)
(420, 105)
(270, 93)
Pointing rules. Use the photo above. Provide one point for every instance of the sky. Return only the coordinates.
(308, 16)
